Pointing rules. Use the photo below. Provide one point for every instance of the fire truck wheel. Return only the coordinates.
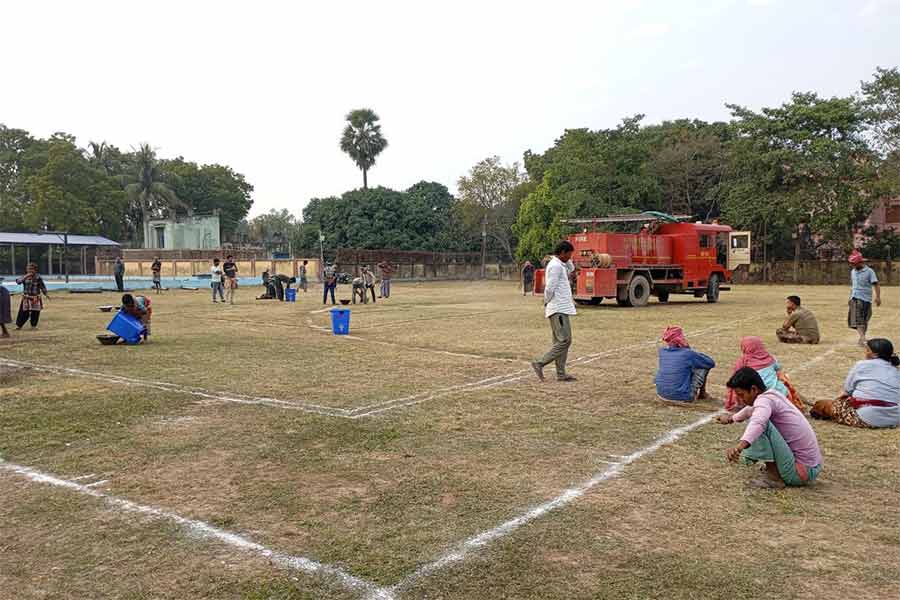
(712, 289)
(638, 291)
(663, 296)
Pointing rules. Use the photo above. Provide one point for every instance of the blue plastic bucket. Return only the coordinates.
(340, 321)
(126, 327)
(290, 295)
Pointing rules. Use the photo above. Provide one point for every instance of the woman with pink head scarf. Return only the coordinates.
(682, 372)
(755, 356)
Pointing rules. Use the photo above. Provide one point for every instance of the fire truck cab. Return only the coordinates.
(667, 256)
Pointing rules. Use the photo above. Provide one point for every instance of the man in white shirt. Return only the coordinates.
(216, 277)
(558, 307)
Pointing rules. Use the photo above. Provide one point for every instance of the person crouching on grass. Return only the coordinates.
(139, 308)
(682, 372)
(777, 435)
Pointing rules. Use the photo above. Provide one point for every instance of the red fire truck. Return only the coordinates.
(667, 256)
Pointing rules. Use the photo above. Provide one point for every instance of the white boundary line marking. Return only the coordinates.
(206, 530)
(172, 387)
(96, 483)
(568, 496)
(497, 380)
(476, 542)
(354, 413)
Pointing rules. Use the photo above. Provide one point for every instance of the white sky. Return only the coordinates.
(264, 86)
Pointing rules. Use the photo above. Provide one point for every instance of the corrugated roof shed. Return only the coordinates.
(43, 239)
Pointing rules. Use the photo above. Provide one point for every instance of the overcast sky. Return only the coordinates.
(264, 86)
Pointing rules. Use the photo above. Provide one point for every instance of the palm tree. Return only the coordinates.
(362, 140)
(148, 191)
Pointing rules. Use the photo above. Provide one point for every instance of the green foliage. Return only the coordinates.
(424, 217)
(69, 194)
(488, 196)
(805, 163)
(206, 188)
(881, 245)
(362, 140)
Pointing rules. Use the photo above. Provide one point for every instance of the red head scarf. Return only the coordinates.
(674, 337)
(856, 257)
(753, 355)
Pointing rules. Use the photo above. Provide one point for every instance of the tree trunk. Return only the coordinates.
(365, 179)
(797, 257)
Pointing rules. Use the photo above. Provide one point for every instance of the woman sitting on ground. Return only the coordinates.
(755, 356)
(777, 435)
(682, 372)
(871, 392)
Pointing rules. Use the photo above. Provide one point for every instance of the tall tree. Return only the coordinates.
(148, 191)
(881, 100)
(206, 188)
(488, 203)
(362, 140)
(804, 168)
(71, 195)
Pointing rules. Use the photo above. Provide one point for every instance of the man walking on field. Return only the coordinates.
(863, 280)
(558, 307)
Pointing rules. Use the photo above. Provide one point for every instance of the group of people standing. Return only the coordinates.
(362, 285)
(224, 279)
(155, 273)
(778, 433)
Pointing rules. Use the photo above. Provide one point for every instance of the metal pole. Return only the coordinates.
(483, 244)
(66, 254)
(321, 255)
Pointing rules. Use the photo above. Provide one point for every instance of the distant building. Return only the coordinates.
(192, 232)
(885, 216)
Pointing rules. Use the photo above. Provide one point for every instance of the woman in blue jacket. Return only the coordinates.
(682, 372)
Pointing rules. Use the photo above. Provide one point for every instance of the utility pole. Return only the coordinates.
(483, 244)
(321, 255)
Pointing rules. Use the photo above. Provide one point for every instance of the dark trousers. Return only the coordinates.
(331, 287)
(25, 315)
(372, 289)
(120, 283)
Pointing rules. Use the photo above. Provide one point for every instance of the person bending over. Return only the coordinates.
(682, 372)
(138, 307)
(777, 434)
(871, 392)
(800, 327)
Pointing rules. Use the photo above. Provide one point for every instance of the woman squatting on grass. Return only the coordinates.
(871, 392)
(777, 435)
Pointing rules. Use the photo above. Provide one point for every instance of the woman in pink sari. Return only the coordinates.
(755, 356)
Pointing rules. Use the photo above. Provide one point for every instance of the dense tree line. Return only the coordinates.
(802, 175)
(53, 184)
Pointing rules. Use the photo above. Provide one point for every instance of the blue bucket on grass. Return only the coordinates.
(290, 295)
(127, 327)
(340, 321)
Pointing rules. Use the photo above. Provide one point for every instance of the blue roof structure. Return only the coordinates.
(55, 239)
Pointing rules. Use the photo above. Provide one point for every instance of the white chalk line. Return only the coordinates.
(476, 542)
(205, 530)
(326, 330)
(172, 387)
(354, 413)
(515, 376)
(96, 483)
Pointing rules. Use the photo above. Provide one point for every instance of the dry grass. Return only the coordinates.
(382, 495)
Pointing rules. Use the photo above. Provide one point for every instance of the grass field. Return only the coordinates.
(246, 453)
